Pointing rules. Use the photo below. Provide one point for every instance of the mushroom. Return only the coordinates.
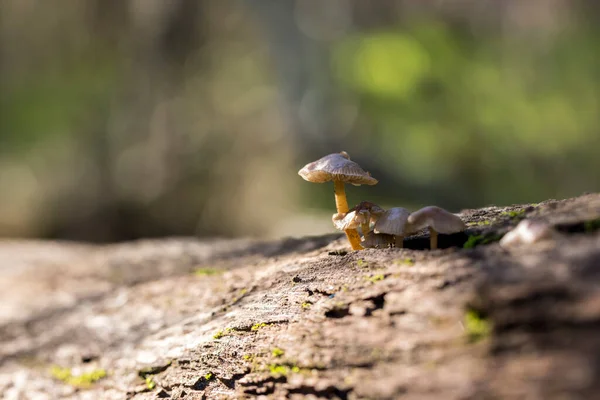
(377, 241)
(437, 220)
(338, 168)
(375, 212)
(370, 214)
(528, 231)
(393, 222)
(351, 220)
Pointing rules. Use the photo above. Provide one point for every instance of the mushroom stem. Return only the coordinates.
(433, 239)
(341, 204)
(364, 227)
(399, 241)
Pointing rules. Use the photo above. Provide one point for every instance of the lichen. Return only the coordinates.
(306, 305)
(258, 325)
(375, 278)
(405, 261)
(362, 263)
(240, 294)
(513, 213)
(150, 384)
(591, 226)
(208, 376)
(207, 271)
(477, 240)
(477, 327)
(83, 380)
(220, 333)
(283, 369)
(277, 352)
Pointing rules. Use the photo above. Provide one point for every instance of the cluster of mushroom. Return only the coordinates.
(380, 228)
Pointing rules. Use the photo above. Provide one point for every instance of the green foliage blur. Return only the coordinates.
(116, 123)
(497, 118)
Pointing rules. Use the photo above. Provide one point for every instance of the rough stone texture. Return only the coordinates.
(303, 318)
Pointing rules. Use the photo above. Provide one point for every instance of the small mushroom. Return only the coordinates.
(377, 241)
(371, 211)
(393, 222)
(528, 231)
(437, 220)
(351, 220)
(338, 168)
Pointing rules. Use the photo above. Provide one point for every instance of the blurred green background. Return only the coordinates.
(122, 119)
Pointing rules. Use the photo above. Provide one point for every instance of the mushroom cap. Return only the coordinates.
(392, 222)
(440, 220)
(336, 167)
(349, 220)
(378, 240)
(373, 209)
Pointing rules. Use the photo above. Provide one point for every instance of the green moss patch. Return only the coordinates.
(223, 332)
(207, 271)
(258, 326)
(478, 240)
(477, 327)
(277, 352)
(375, 278)
(83, 380)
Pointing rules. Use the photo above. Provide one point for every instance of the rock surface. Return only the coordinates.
(305, 318)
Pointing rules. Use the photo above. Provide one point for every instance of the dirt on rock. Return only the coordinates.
(307, 318)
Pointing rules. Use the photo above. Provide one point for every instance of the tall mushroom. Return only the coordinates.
(338, 168)
(437, 220)
(393, 222)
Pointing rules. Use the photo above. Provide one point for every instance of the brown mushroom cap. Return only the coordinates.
(336, 167)
(349, 220)
(392, 222)
(440, 220)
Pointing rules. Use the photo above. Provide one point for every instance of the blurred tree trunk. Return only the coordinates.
(135, 142)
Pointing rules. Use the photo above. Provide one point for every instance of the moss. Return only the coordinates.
(258, 326)
(477, 240)
(477, 326)
(84, 380)
(484, 223)
(283, 369)
(240, 294)
(207, 271)
(306, 305)
(277, 352)
(150, 384)
(405, 261)
(375, 278)
(219, 334)
(514, 213)
(591, 226)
